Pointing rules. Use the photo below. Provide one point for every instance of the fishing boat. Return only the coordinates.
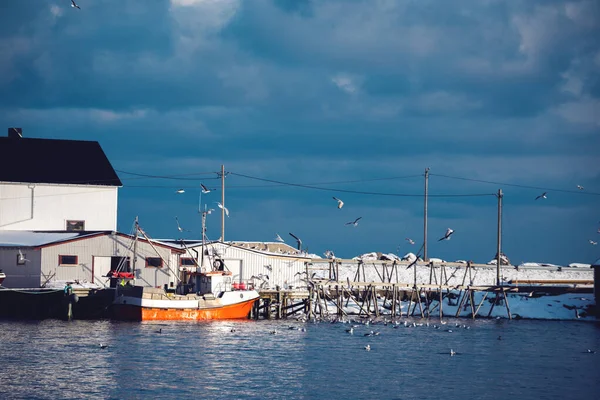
(207, 295)
(218, 298)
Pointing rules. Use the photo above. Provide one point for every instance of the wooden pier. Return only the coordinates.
(332, 297)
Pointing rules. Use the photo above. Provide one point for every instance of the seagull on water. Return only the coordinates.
(592, 242)
(368, 347)
(298, 241)
(279, 238)
(449, 233)
(159, 330)
(103, 346)
(180, 191)
(223, 208)
(579, 187)
(204, 189)
(355, 222)
(340, 203)
(542, 196)
(74, 5)
(410, 241)
(179, 228)
(452, 352)
(350, 331)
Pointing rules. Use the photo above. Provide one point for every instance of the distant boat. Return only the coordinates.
(2, 276)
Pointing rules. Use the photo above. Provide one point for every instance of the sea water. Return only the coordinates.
(495, 359)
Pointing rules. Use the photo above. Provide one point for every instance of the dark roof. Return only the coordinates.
(55, 161)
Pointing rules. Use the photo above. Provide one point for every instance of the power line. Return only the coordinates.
(168, 187)
(359, 191)
(517, 185)
(175, 177)
(329, 183)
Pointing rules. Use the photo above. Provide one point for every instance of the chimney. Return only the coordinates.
(15, 133)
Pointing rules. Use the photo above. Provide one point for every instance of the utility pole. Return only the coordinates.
(223, 203)
(499, 255)
(425, 258)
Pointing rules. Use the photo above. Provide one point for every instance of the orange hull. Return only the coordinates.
(135, 313)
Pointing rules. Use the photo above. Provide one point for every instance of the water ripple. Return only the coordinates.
(532, 359)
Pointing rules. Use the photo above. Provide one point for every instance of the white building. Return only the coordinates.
(37, 259)
(56, 185)
(265, 265)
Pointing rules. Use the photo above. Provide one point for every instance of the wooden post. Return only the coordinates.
(355, 301)
(496, 297)
(279, 304)
(375, 302)
(480, 304)
(419, 302)
(394, 292)
(507, 306)
(441, 298)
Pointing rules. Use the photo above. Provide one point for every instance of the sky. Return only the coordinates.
(352, 99)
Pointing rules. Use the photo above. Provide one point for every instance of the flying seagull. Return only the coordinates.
(298, 241)
(279, 238)
(179, 228)
(449, 233)
(542, 196)
(340, 203)
(410, 241)
(74, 5)
(579, 187)
(355, 222)
(223, 208)
(180, 191)
(205, 189)
(22, 258)
(593, 243)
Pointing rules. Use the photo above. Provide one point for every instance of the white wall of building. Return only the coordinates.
(87, 249)
(283, 270)
(45, 207)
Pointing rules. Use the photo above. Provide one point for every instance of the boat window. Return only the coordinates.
(156, 262)
(68, 260)
(188, 261)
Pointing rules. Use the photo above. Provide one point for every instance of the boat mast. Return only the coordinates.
(203, 236)
(135, 241)
(223, 203)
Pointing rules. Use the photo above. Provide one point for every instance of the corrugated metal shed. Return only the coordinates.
(254, 262)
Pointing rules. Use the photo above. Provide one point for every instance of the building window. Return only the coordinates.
(75, 226)
(68, 260)
(187, 262)
(156, 262)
